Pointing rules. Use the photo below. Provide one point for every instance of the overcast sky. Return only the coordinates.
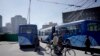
(41, 12)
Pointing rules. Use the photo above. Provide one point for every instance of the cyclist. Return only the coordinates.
(55, 43)
(60, 45)
(55, 40)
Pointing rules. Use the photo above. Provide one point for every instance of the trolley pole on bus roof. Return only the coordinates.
(29, 10)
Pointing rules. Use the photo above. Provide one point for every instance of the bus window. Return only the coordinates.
(98, 27)
(23, 30)
(78, 28)
(74, 29)
(42, 33)
(29, 31)
(93, 27)
(26, 30)
(47, 32)
(90, 28)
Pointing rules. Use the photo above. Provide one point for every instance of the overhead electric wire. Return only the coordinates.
(84, 3)
(73, 14)
(76, 3)
(84, 9)
(71, 5)
(58, 3)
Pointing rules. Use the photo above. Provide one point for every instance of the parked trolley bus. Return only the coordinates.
(77, 31)
(27, 35)
(44, 34)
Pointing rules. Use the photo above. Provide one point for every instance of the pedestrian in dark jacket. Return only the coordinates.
(37, 44)
(87, 44)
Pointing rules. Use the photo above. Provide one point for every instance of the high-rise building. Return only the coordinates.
(0, 23)
(90, 14)
(16, 21)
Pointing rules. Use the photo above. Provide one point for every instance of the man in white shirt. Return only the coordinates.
(55, 39)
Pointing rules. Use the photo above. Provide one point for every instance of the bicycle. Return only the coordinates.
(48, 48)
(65, 52)
(68, 51)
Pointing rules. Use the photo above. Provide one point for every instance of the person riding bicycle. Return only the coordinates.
(60, 41)
(65, 41)
(55, 42)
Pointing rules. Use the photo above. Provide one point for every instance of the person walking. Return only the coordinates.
(37, 44)
(87, 44)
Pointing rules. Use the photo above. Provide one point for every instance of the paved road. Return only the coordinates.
(12, 49)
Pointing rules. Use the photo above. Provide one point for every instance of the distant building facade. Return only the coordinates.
(9, 28)
(90, 13)
(4, 29)
(0, 24)
(49, 25)
(16, 21)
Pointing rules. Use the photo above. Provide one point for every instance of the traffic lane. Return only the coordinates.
(12, 49)
(8, 49)
(78, 52)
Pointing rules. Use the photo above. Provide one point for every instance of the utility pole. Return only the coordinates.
(95, 0)
(29, 11)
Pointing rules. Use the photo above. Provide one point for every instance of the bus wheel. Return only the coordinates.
(20, 47)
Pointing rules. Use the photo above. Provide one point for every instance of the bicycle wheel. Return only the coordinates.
(48, 50)
(69, 52)
(52, 53)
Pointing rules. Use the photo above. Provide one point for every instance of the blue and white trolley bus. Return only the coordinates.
(44, 34)
(27, 35)
(78, 30)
